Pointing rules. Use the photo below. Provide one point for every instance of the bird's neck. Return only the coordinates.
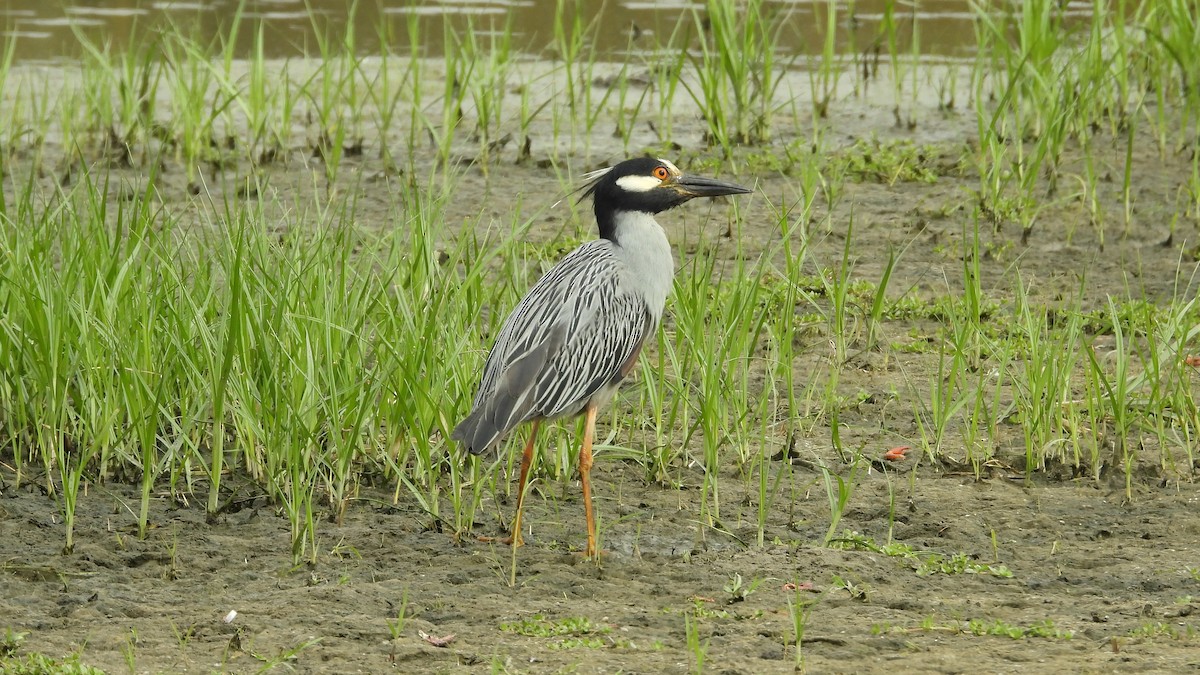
(642, 245)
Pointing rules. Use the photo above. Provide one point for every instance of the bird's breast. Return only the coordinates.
(643, 247)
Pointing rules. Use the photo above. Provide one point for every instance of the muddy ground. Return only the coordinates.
(1120, 575)
(1080, 557)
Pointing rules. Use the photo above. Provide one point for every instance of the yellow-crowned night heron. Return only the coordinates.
(568, 344)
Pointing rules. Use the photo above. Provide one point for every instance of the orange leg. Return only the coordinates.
(585, 470)
(526, 460)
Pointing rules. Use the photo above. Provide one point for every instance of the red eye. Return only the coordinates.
(661, 173)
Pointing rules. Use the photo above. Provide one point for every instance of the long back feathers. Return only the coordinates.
(568, 340)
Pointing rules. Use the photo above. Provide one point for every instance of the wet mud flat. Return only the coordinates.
(1119, 578)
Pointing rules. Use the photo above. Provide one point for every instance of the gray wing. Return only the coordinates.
(576, 333)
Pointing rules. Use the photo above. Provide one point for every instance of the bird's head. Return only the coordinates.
(650, 185)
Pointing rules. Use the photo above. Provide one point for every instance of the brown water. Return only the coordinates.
(48, 30)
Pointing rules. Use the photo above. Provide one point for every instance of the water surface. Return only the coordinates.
(47, 31)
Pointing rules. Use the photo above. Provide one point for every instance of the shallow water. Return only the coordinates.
(47, 31)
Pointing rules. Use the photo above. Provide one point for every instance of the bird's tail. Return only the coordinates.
(476, 433)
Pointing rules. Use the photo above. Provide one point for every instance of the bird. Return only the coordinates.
(577, 333)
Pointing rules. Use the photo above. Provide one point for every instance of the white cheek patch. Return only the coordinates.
(638, 183)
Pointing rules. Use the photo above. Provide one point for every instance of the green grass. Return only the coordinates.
(568, 633)
(738, 71)
(924, 563)
(34, 663)
(233, 351)
(1044, 629)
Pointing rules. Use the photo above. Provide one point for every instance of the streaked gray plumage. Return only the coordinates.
(571, 340)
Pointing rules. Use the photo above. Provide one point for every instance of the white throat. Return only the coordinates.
(642, 245)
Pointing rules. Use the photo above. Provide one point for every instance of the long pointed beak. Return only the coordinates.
(697, 186)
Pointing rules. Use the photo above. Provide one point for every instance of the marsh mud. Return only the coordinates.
(1083, 559)
(992, 568)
